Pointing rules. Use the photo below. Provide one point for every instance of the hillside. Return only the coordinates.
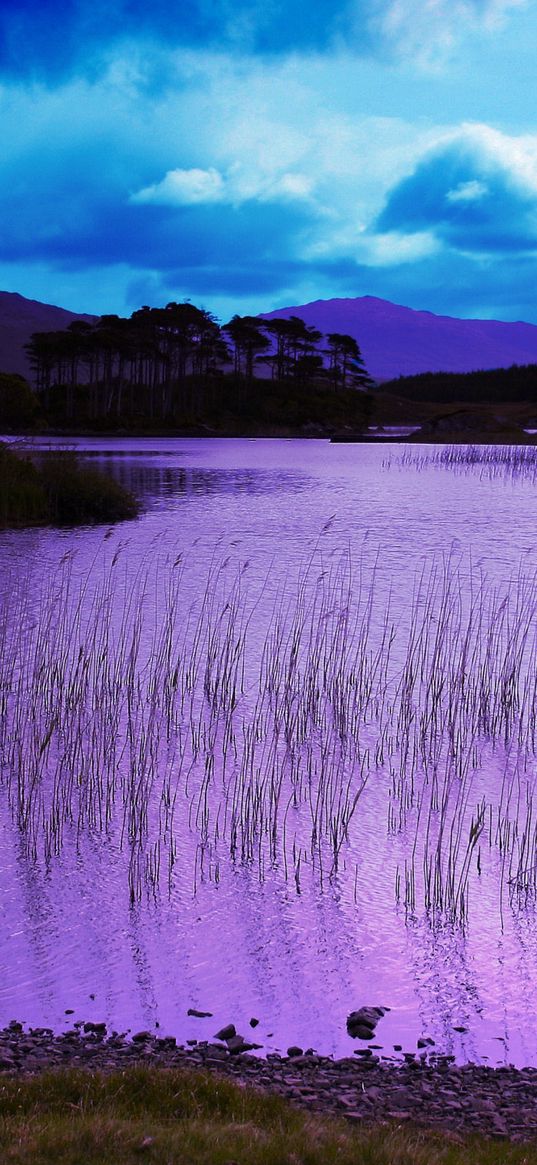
(398, 341)
(19, 317)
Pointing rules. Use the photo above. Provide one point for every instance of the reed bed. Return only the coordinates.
(491, 462)
(196, 728)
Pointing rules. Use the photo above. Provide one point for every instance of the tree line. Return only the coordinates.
(178, 362)
(514, 385)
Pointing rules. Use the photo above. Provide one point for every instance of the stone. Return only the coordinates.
(294, 1050)
(237, 1044)
(199, 1014)
(361, 1032)
(98, 1029)
(366, 1018)
(227, 1032)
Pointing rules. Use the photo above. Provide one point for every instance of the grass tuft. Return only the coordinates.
(190, 1118)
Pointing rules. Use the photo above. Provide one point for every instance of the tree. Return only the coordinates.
(246, 335)
(346, 365)
(18, 404)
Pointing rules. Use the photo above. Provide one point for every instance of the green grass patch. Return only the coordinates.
(192, 1118)
(58, 490)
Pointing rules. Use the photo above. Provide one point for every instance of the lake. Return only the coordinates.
(268, 751)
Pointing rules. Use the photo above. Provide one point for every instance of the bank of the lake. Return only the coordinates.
(424, 1092)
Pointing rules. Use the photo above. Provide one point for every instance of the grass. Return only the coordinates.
(59, 491)
(490, 461)
(170, 1117)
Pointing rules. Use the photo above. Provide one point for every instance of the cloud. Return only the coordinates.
(184, 188)
(188, 187)
(472, 191)
(52, 39)
(61, 37)
(477, 192)
(428, 30)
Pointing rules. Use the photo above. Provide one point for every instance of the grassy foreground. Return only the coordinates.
(166, 1117)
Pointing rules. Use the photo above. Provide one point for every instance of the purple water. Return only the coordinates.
(232, 937)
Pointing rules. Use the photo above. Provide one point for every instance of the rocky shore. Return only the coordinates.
(426, 1090)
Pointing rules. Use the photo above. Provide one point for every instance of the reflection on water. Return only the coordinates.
(273, 933)
(156, 482)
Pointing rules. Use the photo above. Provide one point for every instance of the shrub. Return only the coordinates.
(58, 490)
(22, 497)
(77, 494)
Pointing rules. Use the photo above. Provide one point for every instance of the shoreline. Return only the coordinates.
(428, 1091)
(316, 433)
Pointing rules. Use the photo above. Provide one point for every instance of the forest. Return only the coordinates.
(514, 385)
(177, 366)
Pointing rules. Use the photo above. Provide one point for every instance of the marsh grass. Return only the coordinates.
(491, 462)
(254, 726)
(58, 490)
(166, 1116)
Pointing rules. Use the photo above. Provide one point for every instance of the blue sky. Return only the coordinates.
(250, 156)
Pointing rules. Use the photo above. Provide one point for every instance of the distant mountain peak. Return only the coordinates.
(400, 341)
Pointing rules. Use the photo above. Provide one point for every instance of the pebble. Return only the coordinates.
(435, 1093)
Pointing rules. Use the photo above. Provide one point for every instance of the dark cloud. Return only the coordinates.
(468, 198)
(74, 221)
(50, 39)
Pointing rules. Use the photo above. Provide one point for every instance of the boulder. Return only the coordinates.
(361, 1024)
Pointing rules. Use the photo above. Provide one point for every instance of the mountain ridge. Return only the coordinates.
(19, 317)
(400, 341)
(395, 340)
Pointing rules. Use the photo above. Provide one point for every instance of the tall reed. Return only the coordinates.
(252, 726)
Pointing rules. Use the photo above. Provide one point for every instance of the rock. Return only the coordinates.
(98, 1029)
(365, 1019)
(254, 1022)
(425, 1042)
(226, 1033)
(142, 1037)
(361, 1032)
(294, 1050)
(238, 1044)
(199, 1014)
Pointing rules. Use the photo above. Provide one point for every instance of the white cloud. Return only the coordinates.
(184, 188)
(472, 191)
(428, 30)
(196, 186)
(516, 154)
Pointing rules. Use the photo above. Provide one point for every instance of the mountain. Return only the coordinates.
(19, 317)
(398, 341)
(395, 340)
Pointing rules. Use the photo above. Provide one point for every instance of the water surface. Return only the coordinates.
(252, 938)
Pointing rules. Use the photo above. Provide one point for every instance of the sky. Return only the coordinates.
(249, 156)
